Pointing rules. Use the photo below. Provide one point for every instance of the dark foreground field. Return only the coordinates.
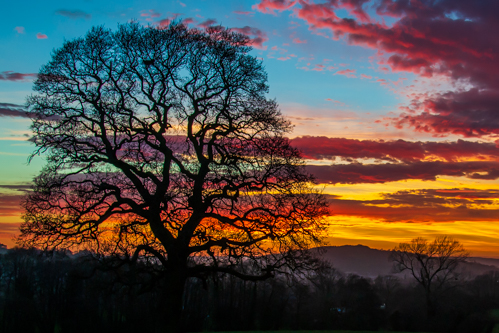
(58, 292)
(312, 332)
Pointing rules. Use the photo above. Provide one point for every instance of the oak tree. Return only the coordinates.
(163, 148)
(432, 264)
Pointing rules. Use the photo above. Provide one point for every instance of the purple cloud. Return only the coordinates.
(14, 76)
(12, 110)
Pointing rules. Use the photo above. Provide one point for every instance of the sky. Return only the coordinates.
(395, 104)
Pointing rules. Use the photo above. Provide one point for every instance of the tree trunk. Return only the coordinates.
(172, 299)
(430, 306)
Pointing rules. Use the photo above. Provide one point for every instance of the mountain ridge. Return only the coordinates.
(368, 262)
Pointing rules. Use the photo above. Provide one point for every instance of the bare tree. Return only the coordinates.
(162, 147)
(432, 264)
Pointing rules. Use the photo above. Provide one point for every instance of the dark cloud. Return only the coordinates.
(12, 110)
(439, 197)
(73, 14)
(320, 147)
(467, 193)
(428, 205)
(472, 113)
(10, 205)
(355, 173)
(14, 76)
(9, 229)
(17, 187)
(15, 110)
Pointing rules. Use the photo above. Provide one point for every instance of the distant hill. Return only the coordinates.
(364, 261)
(485, 261)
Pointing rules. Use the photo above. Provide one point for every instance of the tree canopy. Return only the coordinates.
(432, 264)
(162, 145)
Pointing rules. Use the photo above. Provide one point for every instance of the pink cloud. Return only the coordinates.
(164, 22)
(336, 102)
(347, 73)
(150, 13)
(257, 36)
(188, 20)
(366, 76)
(318, 67)
(207, 23)
(271, 6)
(41, 36)
(299, 41)
(283, 58)
(20, 30)
(383, 82)
(355, 8)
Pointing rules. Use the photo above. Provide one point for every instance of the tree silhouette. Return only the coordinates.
(432, 264)
(162, 148)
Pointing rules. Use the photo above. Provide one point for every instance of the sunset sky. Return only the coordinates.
(395, 103)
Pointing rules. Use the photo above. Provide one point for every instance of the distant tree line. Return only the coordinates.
(59, 292)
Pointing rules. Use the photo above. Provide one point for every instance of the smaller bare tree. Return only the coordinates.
(432, 264)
